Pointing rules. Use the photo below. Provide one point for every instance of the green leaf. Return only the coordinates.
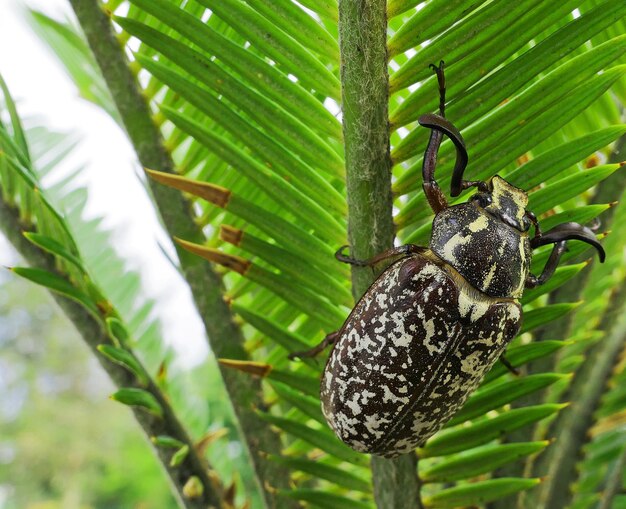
(138, 398)
(522, 354)
(325, 500)
(179, 456)
(397, 7)
(300, 297)
(279, 190)
(118, 331)
(126, 359)
(437, 16)
(533, 115)
(463, 437)
(463, 38)
(307, 384)
(30, 191)
(287, 233)
(560, 277)
(478, 462)
(167, 441)
(324, 8)
(580, 215)
(537, 317)
(503, 83)
(74, 52)
(562, 190)
(277, 45)
(271, 154)
(499, 152)
(60, 285)
(338, 476)
(56, 248)
(321, 439)
(299, 25)
(558, 159)
(282, 336)
(328, 314)
(494, 396)
(479, 492)
(16, 123)
(288, 129)
(257, 73)
(310, 406)
(320, 282)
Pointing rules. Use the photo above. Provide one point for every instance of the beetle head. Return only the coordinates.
(506, 202)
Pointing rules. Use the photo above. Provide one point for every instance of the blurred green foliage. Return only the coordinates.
(63, 443)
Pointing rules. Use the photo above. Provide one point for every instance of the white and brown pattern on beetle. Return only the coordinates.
(413, 349)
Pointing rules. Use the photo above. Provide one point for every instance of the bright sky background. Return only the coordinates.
(41, 88)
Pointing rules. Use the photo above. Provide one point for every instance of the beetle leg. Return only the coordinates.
(317, 349)
(509, 366)
(553, 262)
(569, 231)
(404, 250)
(434, 195)
(481, 185)
(441, 126)
(558, 235)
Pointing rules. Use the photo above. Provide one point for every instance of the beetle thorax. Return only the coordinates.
(491, 255)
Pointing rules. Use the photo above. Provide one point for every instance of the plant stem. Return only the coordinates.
(225, 337)
(613, 485)
(365, 96)
(586, 390)
(396, 483)
(94, 334)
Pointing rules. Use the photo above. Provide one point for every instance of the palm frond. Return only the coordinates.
(243, 92)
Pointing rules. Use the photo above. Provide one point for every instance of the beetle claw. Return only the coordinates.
(348, 259)
(509, 366)
(317, 349)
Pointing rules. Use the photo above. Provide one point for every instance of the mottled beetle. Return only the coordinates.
(425, 333)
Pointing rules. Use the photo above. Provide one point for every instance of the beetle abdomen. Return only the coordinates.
(415, 346)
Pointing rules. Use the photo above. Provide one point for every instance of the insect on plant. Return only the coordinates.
(425, 333)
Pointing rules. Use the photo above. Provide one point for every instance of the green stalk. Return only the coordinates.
(365, 97)
(613, 485)
(225, 337)
(588, 386)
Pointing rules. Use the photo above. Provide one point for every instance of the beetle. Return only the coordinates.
(425, 333)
